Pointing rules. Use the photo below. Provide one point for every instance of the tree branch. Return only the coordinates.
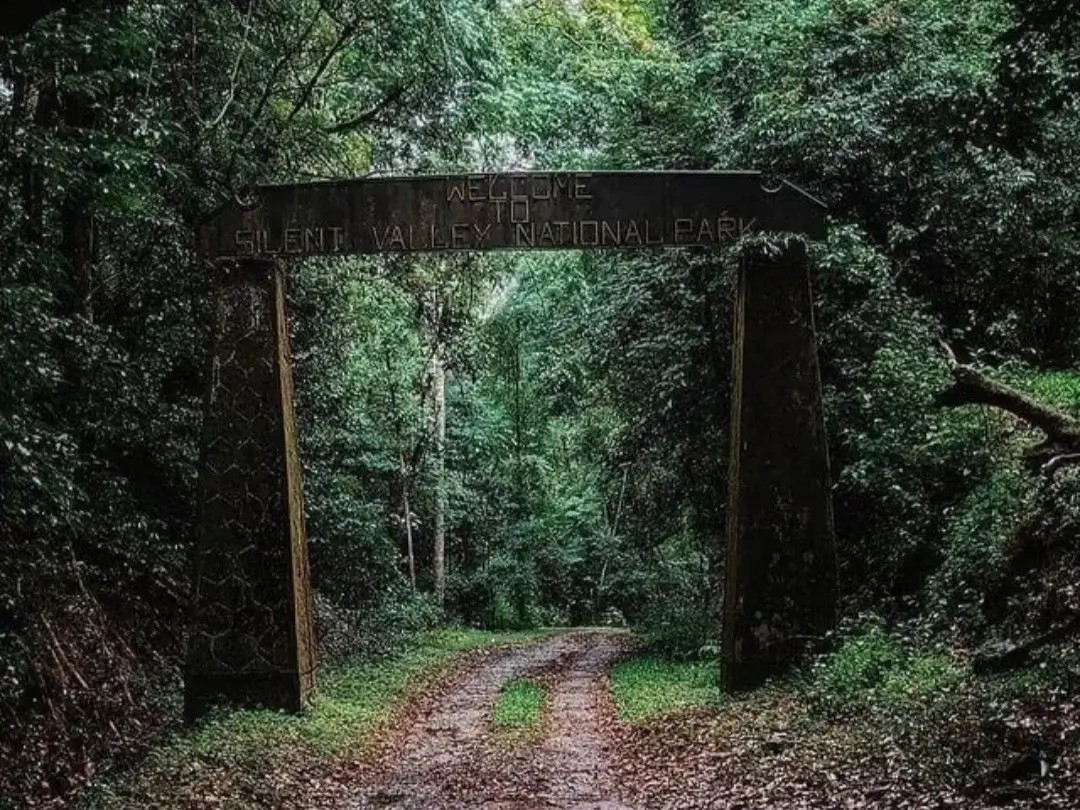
(342, 40)
(1057, 462)
(255, 118)
(972, 387)
(370, 114)
(231, 95)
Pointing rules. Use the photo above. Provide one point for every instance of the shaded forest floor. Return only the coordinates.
(608, 727)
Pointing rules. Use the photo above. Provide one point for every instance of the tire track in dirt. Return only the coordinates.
(450, 760)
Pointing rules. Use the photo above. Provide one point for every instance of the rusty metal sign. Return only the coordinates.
(518, 210)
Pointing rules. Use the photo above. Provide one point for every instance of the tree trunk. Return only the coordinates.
(438, 397)
(406, 510)
(77, 219)
(38, 105)
(519, 426)
(77, 241)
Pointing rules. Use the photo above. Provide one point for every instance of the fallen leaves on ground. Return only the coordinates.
(773, 750)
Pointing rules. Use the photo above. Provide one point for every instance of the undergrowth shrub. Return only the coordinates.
(503, 595)
(977, 541)
(393, 622)
(874, 666)
(678, 619)
(896, 454)
(514, 593)
(859, 664)
(1043, 589)
(1058, 388)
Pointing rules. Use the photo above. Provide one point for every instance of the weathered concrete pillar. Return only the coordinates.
(781, 555)
(251, 641)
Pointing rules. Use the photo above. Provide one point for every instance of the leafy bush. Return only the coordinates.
(862, 663)
(921, 678)
(1058, 388)
(977, 541)
(394, 621)
(678, 619)
(894, 451)
(513, 593)
(873, 666)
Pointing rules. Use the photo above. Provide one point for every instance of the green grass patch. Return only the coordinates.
(649, 686)
(354, 702)
(350, 705)
(520, 707)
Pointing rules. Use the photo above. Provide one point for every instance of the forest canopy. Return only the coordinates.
(516, 440)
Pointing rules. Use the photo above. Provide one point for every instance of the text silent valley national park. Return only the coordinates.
(490, 211)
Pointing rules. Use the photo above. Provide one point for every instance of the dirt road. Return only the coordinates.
(451, 760)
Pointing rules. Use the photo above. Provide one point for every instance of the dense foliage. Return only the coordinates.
(582, 474)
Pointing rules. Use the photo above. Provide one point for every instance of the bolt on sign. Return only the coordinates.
(520, 210)
(251, 637)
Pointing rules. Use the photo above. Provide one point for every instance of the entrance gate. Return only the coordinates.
(251, 640)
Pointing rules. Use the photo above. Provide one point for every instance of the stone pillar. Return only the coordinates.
(781, 555)
(250, 641)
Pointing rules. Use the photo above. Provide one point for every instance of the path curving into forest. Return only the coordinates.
(451, 760)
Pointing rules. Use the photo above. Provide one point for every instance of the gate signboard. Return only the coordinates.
(523, 211)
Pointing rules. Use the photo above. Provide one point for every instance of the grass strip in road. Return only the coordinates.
(519, 712)
(649, 686)
(247, 752)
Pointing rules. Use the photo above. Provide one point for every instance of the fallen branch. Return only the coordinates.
(63, 663)
(1057, 462)
(1003, 657)
(972, 387)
